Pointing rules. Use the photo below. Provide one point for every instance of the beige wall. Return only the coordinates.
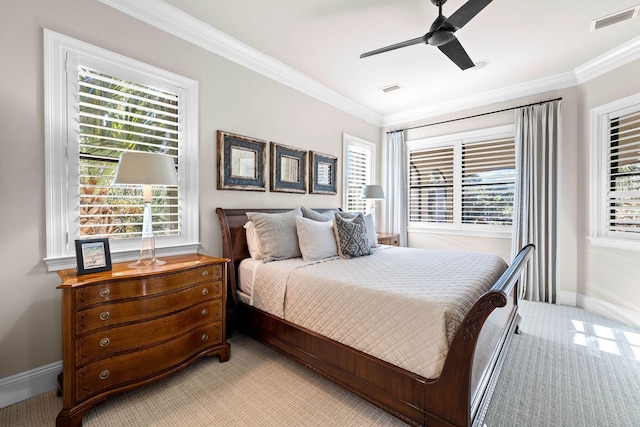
(606, 275)
(232, 98)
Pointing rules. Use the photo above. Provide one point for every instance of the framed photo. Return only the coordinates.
(323, 173)
(93, 256)
(241, 162)
(288, 169)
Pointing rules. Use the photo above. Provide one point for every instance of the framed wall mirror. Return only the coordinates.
(323, 173)
(288, 169)
(241, 162)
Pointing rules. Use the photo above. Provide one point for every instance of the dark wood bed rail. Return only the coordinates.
(449, 400)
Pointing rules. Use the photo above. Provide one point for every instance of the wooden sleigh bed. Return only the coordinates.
(458, 397)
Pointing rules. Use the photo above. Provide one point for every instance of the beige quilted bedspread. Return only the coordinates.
(400, 305)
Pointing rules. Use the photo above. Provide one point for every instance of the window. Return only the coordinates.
(615, 154)
(99, 105)
(359, 170)
(463, 182)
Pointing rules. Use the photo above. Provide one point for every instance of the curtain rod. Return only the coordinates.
(475, 115)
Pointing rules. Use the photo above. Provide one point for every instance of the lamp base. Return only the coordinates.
(147, 263)
(147, 258)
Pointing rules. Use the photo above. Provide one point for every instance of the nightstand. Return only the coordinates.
(388, 239)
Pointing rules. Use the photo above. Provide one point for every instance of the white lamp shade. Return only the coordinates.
(372, 192)
(146, 168)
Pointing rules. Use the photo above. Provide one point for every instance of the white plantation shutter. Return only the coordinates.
(431, 177)
(488, 181)
(623, 173)
(115, 116)
(464, 183)
(359, 164)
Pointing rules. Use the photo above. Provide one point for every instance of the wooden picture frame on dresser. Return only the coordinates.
(128, 327)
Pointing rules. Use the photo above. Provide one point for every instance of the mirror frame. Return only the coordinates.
(277, 153)
(316, 187)
(227, 141)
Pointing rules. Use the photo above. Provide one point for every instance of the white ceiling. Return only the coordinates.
(523, 40)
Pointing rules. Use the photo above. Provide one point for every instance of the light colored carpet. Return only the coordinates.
(554, 375)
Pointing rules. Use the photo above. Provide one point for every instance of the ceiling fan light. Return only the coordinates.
(480, 65)
(441, 37)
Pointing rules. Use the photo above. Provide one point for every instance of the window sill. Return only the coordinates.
(494, 234)
(61, 263)
(607, 242)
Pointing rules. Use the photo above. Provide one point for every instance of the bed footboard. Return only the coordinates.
(470, 371)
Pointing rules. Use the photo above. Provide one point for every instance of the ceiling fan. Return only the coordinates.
(441, 33)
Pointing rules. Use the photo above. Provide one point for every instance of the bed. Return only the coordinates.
(453, 391)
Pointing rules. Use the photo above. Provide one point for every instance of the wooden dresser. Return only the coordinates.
(127, 327)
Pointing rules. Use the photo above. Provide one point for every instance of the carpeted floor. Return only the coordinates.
(568, 367)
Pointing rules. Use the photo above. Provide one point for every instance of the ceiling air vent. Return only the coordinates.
(614, 18)
(391, 88)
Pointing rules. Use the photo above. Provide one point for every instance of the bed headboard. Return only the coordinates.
(234, 240)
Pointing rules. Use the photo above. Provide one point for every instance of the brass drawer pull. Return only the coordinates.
(104, 315)
(205, 291)
(105, 292)
(105, 342)
(204, 312)
(205, 273)
(204, 337)
(104, 374)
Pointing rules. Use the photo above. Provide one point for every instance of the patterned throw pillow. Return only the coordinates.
(371, 228)
(351, 236)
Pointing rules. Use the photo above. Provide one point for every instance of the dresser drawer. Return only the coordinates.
(140, 287)
(136, 366)
(126, 338)
(104, 315)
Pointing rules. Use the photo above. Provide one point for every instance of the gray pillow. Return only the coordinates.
(371, 228)
(316, 216)
(277, 234)
(351, 236)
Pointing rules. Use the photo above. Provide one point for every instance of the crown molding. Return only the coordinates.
(179, 23)
(615, 58)
(533, 87)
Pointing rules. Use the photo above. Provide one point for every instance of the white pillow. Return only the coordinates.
(277, 234)
(253, 241)
(316, 238)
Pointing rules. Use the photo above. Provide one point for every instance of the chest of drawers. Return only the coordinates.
(128, 327)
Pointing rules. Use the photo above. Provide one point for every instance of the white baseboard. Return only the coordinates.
(598, 306)
(22, 386)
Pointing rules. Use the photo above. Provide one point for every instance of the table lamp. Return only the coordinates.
(147, 169)
(372, 192)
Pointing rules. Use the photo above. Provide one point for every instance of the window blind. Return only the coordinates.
(623, 178)
(488, 182)
(463, 183)
(431, 177)
(358, 165)
(115, 116)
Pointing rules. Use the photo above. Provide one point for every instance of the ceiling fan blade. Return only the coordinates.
(417, 40)
(466, 12)
(457, 54)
